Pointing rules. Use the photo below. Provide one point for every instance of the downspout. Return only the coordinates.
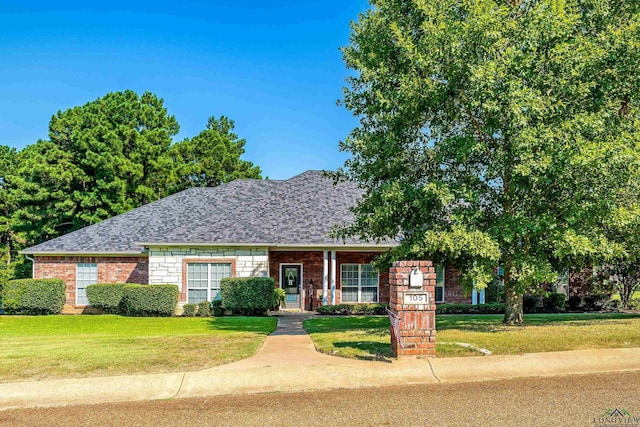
(33, 266)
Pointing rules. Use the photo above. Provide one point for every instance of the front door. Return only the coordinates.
(291, 281)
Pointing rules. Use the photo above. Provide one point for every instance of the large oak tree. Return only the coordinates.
(496, 132)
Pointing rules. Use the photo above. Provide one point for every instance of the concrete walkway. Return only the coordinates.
(288, 362)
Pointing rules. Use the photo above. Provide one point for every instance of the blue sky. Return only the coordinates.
(274, 67)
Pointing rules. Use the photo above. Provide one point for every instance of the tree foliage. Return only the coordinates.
(105, 158)
(622, 277)
(213, 156)
(9, 241)
(102, 159)
(496, 133)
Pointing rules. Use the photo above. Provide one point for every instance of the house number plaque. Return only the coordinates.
(415, 298)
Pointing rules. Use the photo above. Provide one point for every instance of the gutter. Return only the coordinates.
(81, 253)
(269, 245)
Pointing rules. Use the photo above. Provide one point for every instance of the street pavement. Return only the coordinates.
(573, 400)
(288, 362)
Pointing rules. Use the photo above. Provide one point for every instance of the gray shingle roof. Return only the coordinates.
(300, 211)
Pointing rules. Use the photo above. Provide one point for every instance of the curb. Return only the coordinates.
(332, 373)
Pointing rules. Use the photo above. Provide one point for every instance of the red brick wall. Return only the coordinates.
(311, 271)
(453, 292)
(414, 332)
(313, 267)
(110, 270)
(362, 258)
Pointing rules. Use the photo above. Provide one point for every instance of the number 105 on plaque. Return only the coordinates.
(415, 298)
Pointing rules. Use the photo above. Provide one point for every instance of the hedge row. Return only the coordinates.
(352, 309)
(591, 302)
(247, 296)
(372, 309)
(550, 302)
(33, 296)
(133, 299)
(492, 308)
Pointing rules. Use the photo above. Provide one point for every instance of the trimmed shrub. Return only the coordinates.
(493, 308)
(352, 309)
(530, 303)
(553, 301)
(204, 309)
(150, 300)
(33, 296)
(334, 310)
(217, 308)
(247, 296)
(106, 296)
(189, 310)
(595, 302)
(574, 302)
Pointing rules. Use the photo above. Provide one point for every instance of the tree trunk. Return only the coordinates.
(513, 305)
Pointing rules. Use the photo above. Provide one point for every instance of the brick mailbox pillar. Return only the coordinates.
(412, 308)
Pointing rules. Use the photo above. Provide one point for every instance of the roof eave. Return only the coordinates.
(273, 245)
(84, 253)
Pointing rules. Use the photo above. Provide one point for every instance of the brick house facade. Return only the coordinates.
(136, 270)
(110, 270)
(244, 228)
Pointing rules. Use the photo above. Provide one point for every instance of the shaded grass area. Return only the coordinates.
(368, 337)
(47, 347)
(356, 337)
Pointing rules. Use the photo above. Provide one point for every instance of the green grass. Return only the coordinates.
(47, 347)
(368, 337)
(357, 337)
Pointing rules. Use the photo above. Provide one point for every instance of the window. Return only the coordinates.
(439, 283)
(86, 274)
(203, 281)
(359, 283)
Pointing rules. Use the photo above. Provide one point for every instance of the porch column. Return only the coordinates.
(325, 276)
(333, 277)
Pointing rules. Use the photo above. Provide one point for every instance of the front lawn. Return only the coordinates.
(368, 337)
(47, 347)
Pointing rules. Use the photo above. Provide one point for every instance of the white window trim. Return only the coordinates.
(360, 285)
(444, 273)
(208, 264)
(78, 264)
